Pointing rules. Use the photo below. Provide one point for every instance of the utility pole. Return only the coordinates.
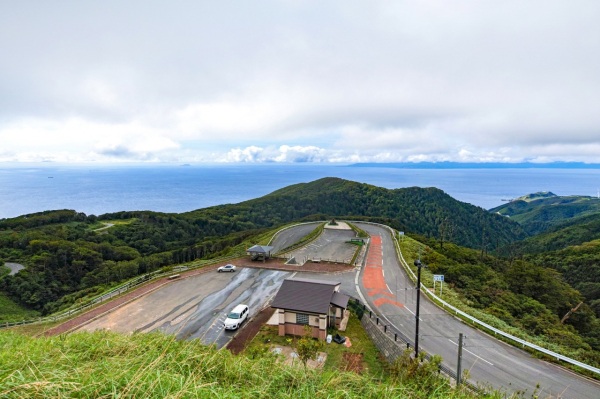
(419, 265)
(459, 363)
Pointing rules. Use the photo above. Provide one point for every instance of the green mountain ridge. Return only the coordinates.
(530, 288)
(65, 254)
(539, 212)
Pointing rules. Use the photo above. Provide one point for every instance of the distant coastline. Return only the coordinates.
(478, 165)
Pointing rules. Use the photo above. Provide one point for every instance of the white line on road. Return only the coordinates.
(388, 287)
(466, 350)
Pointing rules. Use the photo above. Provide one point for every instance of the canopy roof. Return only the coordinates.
(260, 249)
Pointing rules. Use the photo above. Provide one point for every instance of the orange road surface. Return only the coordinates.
(373, 279)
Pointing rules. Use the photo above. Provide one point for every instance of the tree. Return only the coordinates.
(307, 347)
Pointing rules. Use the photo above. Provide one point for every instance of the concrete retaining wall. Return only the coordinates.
(390, 345)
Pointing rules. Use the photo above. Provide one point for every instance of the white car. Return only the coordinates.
(236, 317)
(226, 268)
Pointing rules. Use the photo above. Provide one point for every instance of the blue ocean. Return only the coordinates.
(101, 189)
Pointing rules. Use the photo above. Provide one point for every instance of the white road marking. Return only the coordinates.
(388, 287)
(409, 311)
(466, 350)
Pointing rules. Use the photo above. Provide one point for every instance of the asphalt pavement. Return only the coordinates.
(490, 362)
(195, 307)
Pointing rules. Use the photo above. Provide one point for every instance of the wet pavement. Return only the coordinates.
(195, 307)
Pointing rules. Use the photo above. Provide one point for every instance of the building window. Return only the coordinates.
(301, 318)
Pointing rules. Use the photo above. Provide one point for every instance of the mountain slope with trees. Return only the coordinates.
(565, 238)
(540, 212)
(532, 297)
(67, 252)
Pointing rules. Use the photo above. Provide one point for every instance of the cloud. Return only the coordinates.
(283, 154)
(300, 81)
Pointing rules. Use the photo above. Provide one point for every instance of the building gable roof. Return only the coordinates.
(306, 295)
(261, 249)
(340, 300)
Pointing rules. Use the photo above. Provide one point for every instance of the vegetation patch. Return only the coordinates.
(10, 311)
(105, 364)
(371, 361)
(518, 297)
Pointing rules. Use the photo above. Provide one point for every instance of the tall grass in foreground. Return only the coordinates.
(106, 365)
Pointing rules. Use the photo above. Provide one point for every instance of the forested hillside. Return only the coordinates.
(425, 211)
(527, 295)
(567, 239)
(68, 252)
(540, 212)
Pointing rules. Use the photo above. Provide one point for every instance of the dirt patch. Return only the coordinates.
(249, 331)
(290, 357)
(352, 362)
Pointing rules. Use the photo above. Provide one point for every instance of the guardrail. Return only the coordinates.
(126, 287)
(114, 292)
(363, 310)
(504, 334)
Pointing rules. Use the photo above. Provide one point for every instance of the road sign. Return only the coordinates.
(440, 278)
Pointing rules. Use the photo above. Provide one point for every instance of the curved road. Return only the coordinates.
(387, 288)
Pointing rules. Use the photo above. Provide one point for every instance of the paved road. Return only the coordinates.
(331, 246)
(386, 287)
(292, 235)
(195, 307)
(14, 267)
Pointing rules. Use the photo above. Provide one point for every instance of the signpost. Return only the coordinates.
(440, 278)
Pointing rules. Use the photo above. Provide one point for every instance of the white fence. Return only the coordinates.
(109, 294)
(522, 342)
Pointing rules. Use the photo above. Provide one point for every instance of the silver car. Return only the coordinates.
(226, 268)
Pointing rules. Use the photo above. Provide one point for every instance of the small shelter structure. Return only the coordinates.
(307, 302)
(259, 252)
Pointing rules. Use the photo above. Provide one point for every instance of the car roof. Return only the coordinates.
(239, 308)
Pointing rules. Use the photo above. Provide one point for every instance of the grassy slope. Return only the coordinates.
(11, 311)
(412, 249)
(103, 364)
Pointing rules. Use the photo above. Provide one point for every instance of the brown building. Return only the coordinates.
(307, 302)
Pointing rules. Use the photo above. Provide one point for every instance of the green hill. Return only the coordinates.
(426, 211)
(565, 236)
(539, 212)
(67, 252)
(531, 296)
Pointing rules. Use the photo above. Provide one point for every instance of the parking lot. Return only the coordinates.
(194, 307)
(331, 245)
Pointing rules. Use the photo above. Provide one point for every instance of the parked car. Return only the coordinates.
(226, 268)
(236, 317)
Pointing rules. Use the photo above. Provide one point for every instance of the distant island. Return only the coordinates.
(479, 165)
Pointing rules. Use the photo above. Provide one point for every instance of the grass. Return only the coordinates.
(104, 223)
(12, 311)
(361, 343)
(110, 365)
(411, 250)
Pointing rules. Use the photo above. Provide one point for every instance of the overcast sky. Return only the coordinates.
(299, 81)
